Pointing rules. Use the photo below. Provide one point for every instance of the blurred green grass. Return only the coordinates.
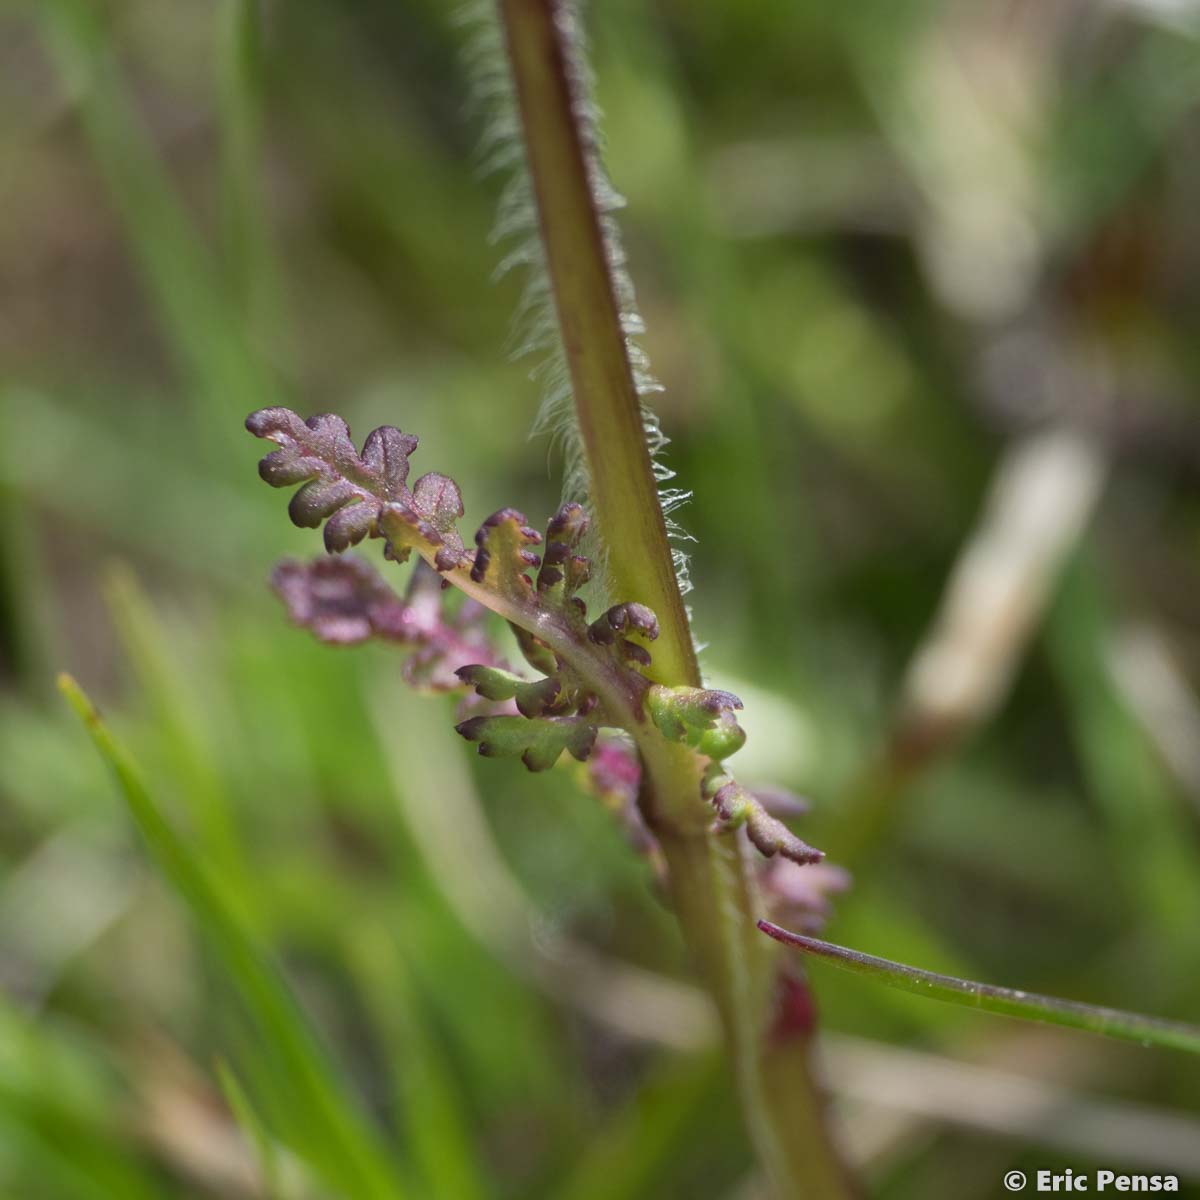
(204, 216)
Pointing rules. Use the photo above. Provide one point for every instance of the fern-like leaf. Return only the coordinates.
(589, 675)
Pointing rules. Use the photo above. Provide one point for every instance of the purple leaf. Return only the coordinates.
(340, 600)
(344, 601)
(319, 453)
(439, 501)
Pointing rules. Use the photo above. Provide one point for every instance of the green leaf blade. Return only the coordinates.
(1011, 1002)
(342, 1146)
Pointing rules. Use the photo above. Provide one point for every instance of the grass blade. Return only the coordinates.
(343, 1148)
(433, 1121)
(162, 679)
(248, 260)
(253, 1129)
(191, 304)
(1111, 1022)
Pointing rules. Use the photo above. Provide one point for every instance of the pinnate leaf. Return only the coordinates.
(352, 493)
(368, 495)
(539, 741)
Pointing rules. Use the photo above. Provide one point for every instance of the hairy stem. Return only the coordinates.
(712, 887)
(623, 494)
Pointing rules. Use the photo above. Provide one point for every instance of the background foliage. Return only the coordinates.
(880, 249)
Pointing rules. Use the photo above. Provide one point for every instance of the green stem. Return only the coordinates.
(713, 888)
(1111, 1022)
(713, 892)
(623, 494)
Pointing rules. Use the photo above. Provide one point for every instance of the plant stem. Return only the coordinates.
(714, 897)
(713, 888)
(623, 493)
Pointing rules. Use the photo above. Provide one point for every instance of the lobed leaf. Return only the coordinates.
(698, 717)
(736, 807)
(618, 628)
(539, 741)
(535, 698)
(351, 492)
(346, 602)
(564, 572)
(503, 558)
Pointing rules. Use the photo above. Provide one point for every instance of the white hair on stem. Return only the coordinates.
(536, 329)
